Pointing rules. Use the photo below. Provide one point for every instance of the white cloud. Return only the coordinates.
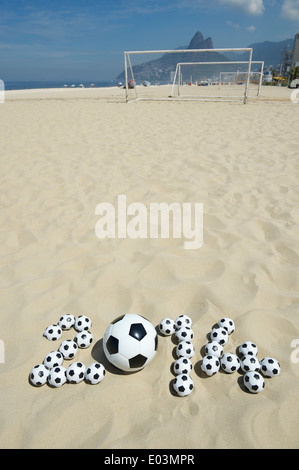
(290, 9)
(233, 25)
(251, 28)
(249, 7)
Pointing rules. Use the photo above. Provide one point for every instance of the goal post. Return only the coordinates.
(155, 79)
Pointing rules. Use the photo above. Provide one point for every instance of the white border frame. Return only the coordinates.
(127, 61)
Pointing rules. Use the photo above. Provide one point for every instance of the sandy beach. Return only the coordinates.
(65, 151)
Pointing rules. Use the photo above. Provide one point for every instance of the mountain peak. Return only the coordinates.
(198, 42)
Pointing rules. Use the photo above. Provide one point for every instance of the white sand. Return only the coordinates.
(62, 153)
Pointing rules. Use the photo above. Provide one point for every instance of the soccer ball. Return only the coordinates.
(82, 323)
(248, 347)
(95, 373)
(210, 365)
(182, 365)
(68, 349)
(83, 339)
(220, 335)
(57, 376)
(230, 363)
(250, 362)
(228, 324)
(270, 367)
(183, 320)
(53, 332)
(185, 349)
(39, 375)
(214, 348)
(66, 322)
(130, 342)
(254, 382)
(53, 359)
(184, 334)
(167, 326)
(183, 385)
(75, 373)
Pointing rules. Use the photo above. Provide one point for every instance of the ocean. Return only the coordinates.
(22, 85)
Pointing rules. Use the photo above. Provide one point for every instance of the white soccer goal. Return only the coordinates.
(234, 81)
(155, 79)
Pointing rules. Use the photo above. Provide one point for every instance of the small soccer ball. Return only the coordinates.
(39, 375)
(182, 365)
(184, 334)
(167, 326)
(248, 347)
(53, 359)
(230, 363)
(66, 322)
(75, 373)
(220, 335)
(270, 367)
(130, 342)
(183, 320)
(185, 349)
(53, 332)
(57, 376)
(95, 373)
(210, 365)
(250, 362)
(82, 323)
(228, 324)
(68, 349)
(254, 382)
(214, 348)
(183, 385)
(83, 339)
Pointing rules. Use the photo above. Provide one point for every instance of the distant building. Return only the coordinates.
(295, 59)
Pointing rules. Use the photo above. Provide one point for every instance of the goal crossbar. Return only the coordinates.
(127, 61)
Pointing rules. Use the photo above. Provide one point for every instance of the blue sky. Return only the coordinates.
(85, 39)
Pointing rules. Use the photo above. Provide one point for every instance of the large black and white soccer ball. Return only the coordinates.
(183, 320)
(184, 334)
(185, 349)
(167, 326)
(220, 335)
(66, 321)
(82, 323)
(254, 382)
(57, 376)
(183, 385)
(228, 324)
(75, 373)
(214, 348)
(53, 332)
(210, 365)
(230, 363)
(53, 359)
(183, 365)
(95, 373)
(68, 349)
(248, 347)
(130, 342)
(270, 367)
(83, 339)
(39, 375)
(250, 362)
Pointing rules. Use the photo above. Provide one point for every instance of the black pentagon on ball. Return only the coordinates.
(137, 331)
(137, 361)
(112, 345)
(117, 319)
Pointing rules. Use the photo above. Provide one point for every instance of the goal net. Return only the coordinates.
(184, 74)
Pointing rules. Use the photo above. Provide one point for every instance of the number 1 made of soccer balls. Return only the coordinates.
(130, 342)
